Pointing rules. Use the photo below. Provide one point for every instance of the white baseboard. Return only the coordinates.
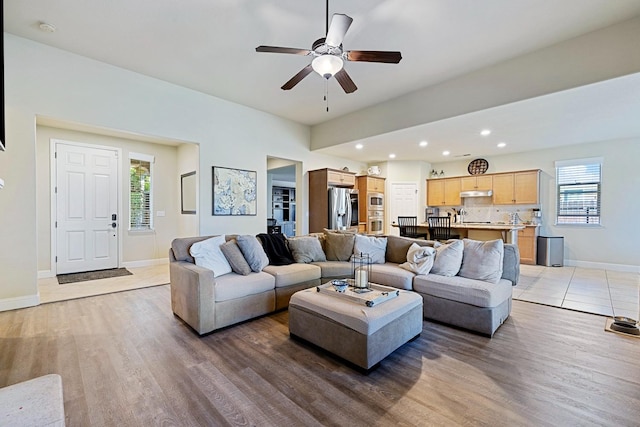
(19, 302)
(45, 274)
(603, 266)
(145, 262)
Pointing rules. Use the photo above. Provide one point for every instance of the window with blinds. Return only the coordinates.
(579, 190)
(140, 203)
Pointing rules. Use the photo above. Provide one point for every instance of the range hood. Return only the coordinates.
(476, 193)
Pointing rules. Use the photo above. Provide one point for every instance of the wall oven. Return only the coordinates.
(375, 202)
(375, 222)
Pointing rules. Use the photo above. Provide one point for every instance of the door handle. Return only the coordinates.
(113, 225)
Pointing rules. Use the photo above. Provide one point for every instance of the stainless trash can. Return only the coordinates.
(550, 251)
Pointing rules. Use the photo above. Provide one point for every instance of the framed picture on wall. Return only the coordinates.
(234, 191)
(188, 193)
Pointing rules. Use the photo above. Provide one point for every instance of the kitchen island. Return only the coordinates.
(482, 231)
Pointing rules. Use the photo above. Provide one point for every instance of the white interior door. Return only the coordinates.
(404, 202)
(86, 208)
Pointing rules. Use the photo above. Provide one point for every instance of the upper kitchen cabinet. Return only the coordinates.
(370, 184)
(443, 192)
(517, 188)
(476, 182)
(338, 178)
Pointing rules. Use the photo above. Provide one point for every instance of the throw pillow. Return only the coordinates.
(397, 247)
(419, 259)
(339, 246)
(306, 249)
(482, 260)
(448, 258)
(234, 256)
(375, 247)
(207, 254)
(253, 252)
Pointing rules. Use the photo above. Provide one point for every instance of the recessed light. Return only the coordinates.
(485, 132)
(423, 143)
(445, 153)
(392, 156)
(502, 144)
(359, 146)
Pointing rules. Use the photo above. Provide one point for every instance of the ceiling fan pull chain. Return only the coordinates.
(326, 93)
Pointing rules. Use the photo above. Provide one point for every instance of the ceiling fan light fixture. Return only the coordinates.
(327, 65)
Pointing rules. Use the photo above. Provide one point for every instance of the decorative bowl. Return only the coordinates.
(340, 285)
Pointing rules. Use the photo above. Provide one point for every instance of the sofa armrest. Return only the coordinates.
(193, 295)
(511, 263)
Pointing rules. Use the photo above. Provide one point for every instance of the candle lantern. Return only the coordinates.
(361, 267)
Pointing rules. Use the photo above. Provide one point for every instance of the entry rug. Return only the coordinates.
(63, 279)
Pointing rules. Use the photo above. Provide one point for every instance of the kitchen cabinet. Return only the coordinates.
(476, 182)
(443, 192)
(527, 242)
(319, 182)
(516, 188)
(365, 185)
(283, 208)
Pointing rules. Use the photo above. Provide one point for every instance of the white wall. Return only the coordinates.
(614, 244)
(48, 82)
(188, 161)
(136, 246)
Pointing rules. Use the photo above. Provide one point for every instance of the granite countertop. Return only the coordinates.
(486, 226)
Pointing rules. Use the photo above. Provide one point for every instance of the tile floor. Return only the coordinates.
(604, 292)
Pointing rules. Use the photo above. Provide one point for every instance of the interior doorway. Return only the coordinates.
(282, 194)
(403, 200)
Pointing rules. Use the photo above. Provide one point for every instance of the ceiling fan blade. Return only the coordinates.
(345, 81)
(297, 78)
(339, 25)
(278, 49)
(374, 56)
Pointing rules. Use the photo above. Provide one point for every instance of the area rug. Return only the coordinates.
(92, 275)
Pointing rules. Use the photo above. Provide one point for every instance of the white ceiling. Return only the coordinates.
(209, 46)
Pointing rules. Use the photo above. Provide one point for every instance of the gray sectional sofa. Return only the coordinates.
(207, 303)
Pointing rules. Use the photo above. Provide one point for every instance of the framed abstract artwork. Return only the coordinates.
(234, 191)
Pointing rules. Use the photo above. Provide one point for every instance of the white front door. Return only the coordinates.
(404, 202)
(86, 208)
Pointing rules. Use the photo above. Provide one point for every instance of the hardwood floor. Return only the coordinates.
(125, 360)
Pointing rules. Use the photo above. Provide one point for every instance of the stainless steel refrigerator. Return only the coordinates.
(343, 208)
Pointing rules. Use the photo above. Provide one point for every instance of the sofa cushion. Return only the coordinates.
(234, 256)
(375, 247)
(339, 269)
(390, 274)
(253, 252)
(397, 247)
(306, 249)
(419, 259)
(448, 258)
(339, 246)
(208, 254)
(482, 260)
(233, 286)
(461, 289)
(293, 274)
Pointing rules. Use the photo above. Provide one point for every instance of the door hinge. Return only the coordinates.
(55, 155)
(55, 190)
(56, 258)
(56, 224)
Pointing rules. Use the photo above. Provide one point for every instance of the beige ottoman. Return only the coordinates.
(359, 334)
(37, 402)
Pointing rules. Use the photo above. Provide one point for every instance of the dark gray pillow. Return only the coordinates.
(233, 254)
(306, 249)
(253, 252)
(339, 246)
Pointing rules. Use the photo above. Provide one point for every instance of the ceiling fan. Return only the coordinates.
(329, 55)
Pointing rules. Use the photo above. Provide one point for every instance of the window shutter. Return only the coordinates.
(579, 191)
